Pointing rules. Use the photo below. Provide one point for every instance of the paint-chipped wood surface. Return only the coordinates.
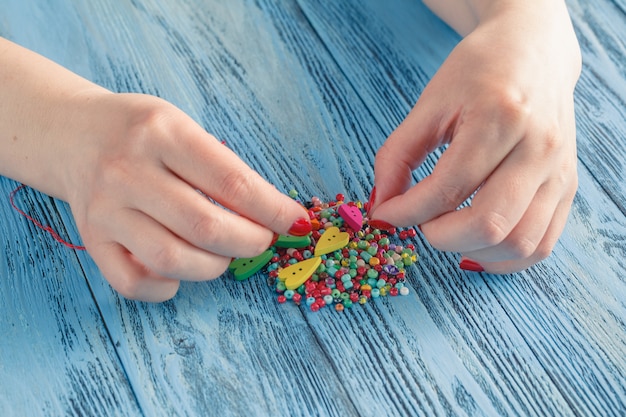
(305, 91)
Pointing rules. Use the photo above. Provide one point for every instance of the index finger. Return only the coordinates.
(213, 168)
(475, 152)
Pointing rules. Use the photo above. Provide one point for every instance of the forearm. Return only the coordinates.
(464, 15)
(41, 116)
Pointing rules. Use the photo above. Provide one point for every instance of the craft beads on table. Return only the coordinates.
(342, 262)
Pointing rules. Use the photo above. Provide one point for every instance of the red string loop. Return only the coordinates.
(48, 229)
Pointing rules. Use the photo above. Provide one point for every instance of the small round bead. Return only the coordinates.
(310, 301)
(281, 298)
(339, 307)
(404, 291)
(288, 294)
(328, 299)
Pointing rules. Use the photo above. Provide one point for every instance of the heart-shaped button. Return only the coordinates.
(351, 215)
(331, 240)
(244, 268)
(297, 274)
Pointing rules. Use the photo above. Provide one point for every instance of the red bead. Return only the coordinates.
(412, 232)
(325, 291)
(321, 302)
(410, 246)
(393, 291)
(354, 297)
(316, 293)
(378, 267)
(392, 231)
(281, 299)
(367, 293)
(361, 270)
(297, 297)
(340, 197)
(315, 307)
(404, 235)
(339, 274)
(273, 274)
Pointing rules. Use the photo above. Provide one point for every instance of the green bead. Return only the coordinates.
(293, 193)
(347, 303)
(280, 286)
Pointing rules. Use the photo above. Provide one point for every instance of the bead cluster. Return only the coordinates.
(368, 267)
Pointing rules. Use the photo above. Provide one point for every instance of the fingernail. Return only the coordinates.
(370, 202)
(274, 239)
(381, 225)
(300, 227)
(419, 226)
(469, 265)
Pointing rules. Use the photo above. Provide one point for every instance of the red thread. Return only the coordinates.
(48, 229)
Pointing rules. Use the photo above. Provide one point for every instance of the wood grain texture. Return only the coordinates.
(305, 92)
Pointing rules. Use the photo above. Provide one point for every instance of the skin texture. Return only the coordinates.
(503, 102)
(131, 165)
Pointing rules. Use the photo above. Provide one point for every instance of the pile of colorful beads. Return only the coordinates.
(343, 261)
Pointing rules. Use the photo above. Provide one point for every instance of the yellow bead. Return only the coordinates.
(366, 287)
(374, 261)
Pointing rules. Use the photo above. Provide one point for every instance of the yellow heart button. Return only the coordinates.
(331, 240)
(296, 274)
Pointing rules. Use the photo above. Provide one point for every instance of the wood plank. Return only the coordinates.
(533, 343)
(584, 276)
(55, 352)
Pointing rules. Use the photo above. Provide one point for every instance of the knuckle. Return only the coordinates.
(452, 196)
(522, 248)
(512, 106)
(494, 228)
(204, 228)
(131, 287)
(167, 260)
(238, 184)
(543, 251)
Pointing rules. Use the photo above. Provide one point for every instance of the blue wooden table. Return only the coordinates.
(305, 91)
